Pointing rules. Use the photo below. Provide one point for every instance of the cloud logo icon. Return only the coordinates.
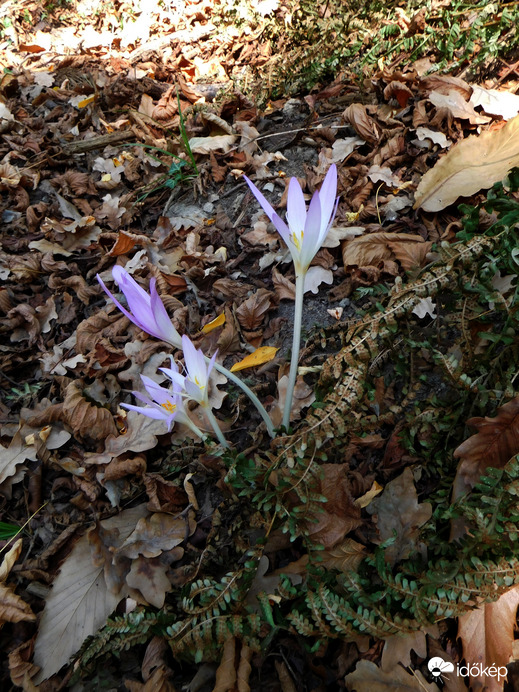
(437, 666)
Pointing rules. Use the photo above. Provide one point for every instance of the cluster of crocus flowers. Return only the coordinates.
(147, 311)
(304, 236)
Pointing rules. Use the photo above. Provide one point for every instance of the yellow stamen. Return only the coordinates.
(298, 240)
(169, 406)
(198, 383)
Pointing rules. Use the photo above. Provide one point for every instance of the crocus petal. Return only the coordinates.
(312, 233)
(296, 207)
(151, 412)
(121, 308)
(164, 327)
(283, 230)
(176, 378)
(327, 195)
(194, 392)
(134, 294)
(156, 392)
(267, 207)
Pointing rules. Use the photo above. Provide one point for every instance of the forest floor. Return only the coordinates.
(124, 136)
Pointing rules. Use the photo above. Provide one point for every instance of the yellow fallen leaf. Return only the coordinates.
(86, 102)
(474, 164)
(261, 355)
(217, 322)
(365, 499)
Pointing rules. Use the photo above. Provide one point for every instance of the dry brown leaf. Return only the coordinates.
(252, 311)
(226, 672)
(398, 510)
(79, 602)
(244, 668)
(374, 248)
(284, 288)
(458, 107)
(503, 103)
(303, 396)
(285, 679)
(444, 84)
(20, 667)
(368, 677)
(149, 577)
(12, 607)
(397, 649)
(362, 123)
(156, 534)
(85, 419)
(164, 495)
(345, 556)
(338, 515)
(474, 164)
(205, 145)
(167, 105)
(495, 443)
(487, 635)
(399, 91)
(11, 457)
(451, 683)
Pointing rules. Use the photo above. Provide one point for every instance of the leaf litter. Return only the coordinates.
(80, 193)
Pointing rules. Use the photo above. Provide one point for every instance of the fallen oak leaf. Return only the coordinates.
(495, 443)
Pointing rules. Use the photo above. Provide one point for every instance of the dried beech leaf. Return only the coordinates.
(339, 515)
(368, 677)
(374, 248)
(261, 355)
(123, 245)
(156, 534)
(205, 145)
(79, 602)
(487, 634)
(284, 288)
(252, 311)
(244, 668)
(474, 164)
(226, 672)
(458, 107)
(345, 556)
(503, 103)
(362, 123)
(398, 510)
(397, 649)
(85, 419)
(495, 443)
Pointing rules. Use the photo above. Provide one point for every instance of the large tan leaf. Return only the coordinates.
(80, 600)
(488, 636)
(474, 164)
(11, 457)
(373, 248)
(495, 443)
(398, 510)
(368, 677)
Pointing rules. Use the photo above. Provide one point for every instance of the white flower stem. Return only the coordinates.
(246, 390)
(215, 426)
(296, 344)
(189, 423)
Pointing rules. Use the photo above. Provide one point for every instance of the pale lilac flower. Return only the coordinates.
(162, 404)
(146, 310)
(196, 381)
(306, 231)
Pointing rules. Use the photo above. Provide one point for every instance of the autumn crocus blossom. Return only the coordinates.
(163, 404)
(195, 383)
(304, 236)
(146, 310)
(306, 231)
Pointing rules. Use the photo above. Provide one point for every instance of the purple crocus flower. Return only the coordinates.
(306, 231)
(147, 311)
(195, 382)
(162, 404)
